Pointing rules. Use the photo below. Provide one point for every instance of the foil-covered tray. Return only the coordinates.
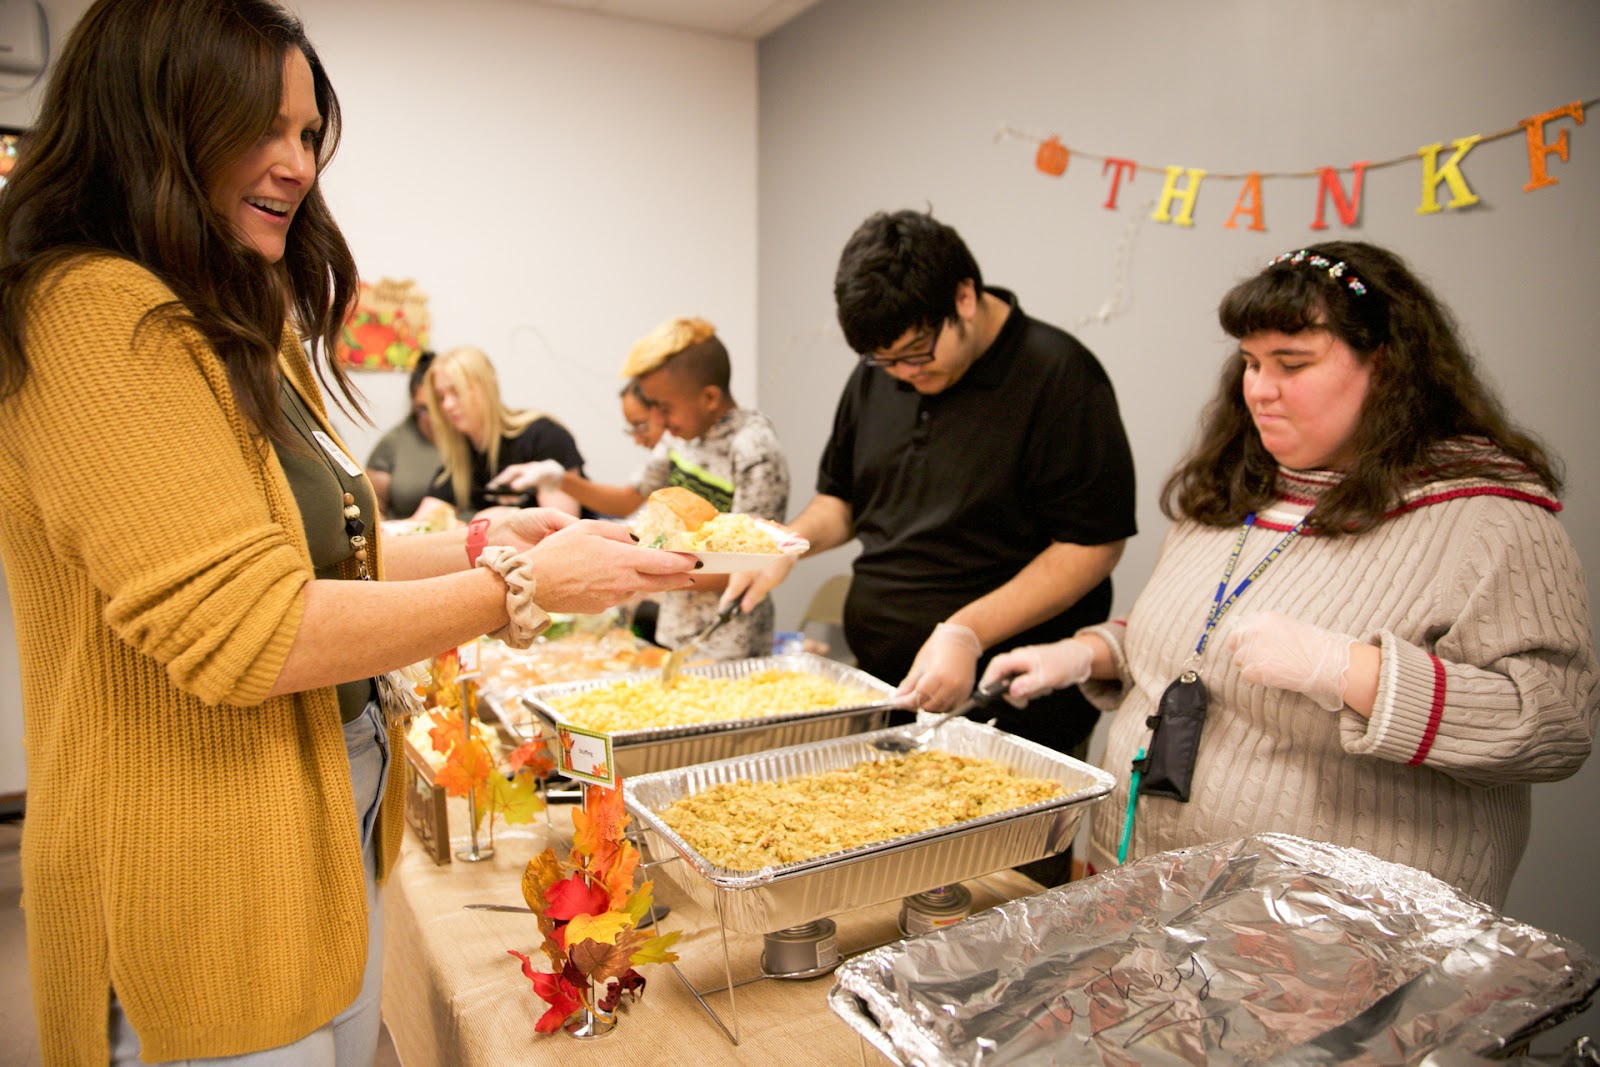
(775, 898)
(1267, 949)
(662, 748)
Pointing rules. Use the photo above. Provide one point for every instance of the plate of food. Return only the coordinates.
(725, 542)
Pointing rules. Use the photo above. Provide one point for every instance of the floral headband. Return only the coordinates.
(1337, 271)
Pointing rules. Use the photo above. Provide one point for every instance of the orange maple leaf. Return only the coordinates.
(448, 728)
(599, 825)
(619, 879)
(465, 768)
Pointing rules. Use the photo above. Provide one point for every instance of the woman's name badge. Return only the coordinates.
(337, 453)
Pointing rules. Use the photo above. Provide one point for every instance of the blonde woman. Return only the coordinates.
(478, 436)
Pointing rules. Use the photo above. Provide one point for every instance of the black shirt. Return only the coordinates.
(952, 494)
(543, 438)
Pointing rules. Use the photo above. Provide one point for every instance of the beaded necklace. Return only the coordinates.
(324, 447)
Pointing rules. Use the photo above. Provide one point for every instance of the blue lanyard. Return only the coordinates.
(1219, 607)
(1190, 676)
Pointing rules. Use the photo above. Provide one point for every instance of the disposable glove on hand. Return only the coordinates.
(536, 474)
(1270, 648)
(941, 675)
(1039, 669)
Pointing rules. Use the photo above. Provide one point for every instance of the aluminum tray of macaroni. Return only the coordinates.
(662, 748)
(774, 898)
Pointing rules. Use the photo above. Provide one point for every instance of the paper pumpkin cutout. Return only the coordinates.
(1052, 157)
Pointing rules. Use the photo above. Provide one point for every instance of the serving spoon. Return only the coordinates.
(675, 658)
(914, 740)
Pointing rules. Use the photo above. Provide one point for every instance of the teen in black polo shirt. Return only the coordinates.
(979, 457)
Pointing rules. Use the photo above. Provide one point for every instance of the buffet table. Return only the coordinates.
(452, 996)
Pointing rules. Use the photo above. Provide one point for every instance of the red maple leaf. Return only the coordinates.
(574, 895)
(555, 990)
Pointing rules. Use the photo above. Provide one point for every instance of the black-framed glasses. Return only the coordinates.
(910, 359)
(635, 429)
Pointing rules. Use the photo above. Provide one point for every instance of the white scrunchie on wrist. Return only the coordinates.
(526, 620)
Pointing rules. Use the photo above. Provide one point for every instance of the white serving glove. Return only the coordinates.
(1270, 648)
(1039, 669)
(535, 474)
(941, 676)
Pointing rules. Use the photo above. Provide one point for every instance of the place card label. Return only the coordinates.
(585, 756)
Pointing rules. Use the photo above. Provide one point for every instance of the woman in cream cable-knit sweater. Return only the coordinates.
(1412, 659)
(206, 764)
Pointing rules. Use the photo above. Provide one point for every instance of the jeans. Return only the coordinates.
(351, 1038)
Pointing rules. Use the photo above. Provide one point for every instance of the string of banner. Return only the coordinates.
(1181, 187)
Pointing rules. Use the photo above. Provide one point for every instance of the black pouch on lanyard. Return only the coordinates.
(1168, 766)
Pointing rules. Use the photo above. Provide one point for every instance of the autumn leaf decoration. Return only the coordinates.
(589, 914)
(470, 766)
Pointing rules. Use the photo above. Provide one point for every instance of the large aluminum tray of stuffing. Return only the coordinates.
(662, 748)
(790, 894)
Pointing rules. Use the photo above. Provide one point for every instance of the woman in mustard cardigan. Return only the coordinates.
(186, 540)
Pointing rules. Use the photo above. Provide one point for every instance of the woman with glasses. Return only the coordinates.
(641, 420)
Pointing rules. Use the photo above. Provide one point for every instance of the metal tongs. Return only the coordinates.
(917, 739)
(675, 658)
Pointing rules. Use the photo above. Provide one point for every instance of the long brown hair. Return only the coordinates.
(147, 102)
(1424, 390)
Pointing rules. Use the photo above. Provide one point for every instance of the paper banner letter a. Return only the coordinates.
(1249, 203)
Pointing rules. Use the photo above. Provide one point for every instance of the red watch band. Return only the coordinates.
(477, 540)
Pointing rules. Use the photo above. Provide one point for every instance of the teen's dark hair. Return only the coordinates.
(1424, 390)
(899, 272)
(702, 363)
(148, 101)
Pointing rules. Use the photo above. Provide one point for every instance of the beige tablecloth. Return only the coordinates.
(452, 997)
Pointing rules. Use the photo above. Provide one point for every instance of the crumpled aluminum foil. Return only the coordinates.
(1265, 949)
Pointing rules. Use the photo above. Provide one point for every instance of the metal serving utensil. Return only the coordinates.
(675, 658)
(916, 738)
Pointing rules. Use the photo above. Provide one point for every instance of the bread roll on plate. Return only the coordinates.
(669, 513)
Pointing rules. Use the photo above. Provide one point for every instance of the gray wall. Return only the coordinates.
(895, 103)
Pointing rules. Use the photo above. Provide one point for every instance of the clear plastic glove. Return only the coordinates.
(751, 587)
(1039, 669)
(1270, 648)
(535, 474)
(942, 674)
